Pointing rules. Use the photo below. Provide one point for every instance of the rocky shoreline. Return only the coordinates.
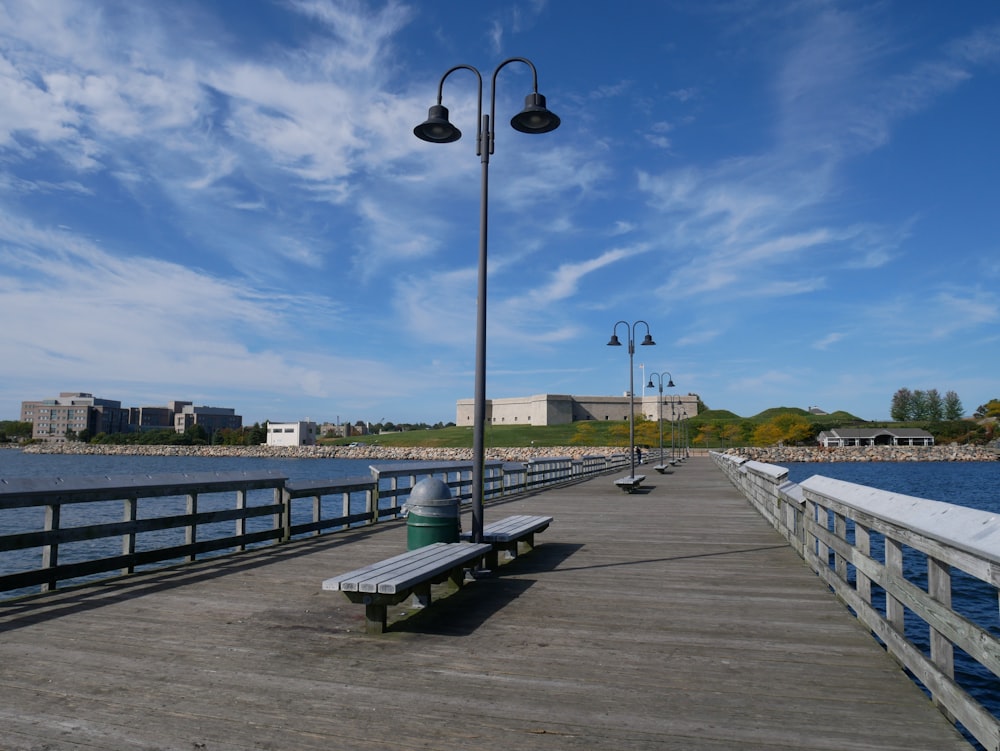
(950, 452)
(768, 454)
(374, 451)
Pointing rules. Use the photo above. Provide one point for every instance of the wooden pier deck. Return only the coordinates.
(670, 618)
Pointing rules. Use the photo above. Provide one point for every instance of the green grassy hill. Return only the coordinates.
(597, 432)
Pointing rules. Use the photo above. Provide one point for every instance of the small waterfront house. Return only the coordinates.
(302, 433)
(875, 437)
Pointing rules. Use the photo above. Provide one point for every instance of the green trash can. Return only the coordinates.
(432, 514)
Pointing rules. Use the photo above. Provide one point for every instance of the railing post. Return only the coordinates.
(128, 539)
(317, 511)
(840, 530)
(191, 529)
(942, 650)
(50, 552)
(371, 508)
(863, 542)
(283, 498)
(241, 522)
(894, 565)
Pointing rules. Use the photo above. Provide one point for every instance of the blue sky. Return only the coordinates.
(224, 202)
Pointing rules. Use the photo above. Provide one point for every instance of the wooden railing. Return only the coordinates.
(857, 538)
(58, 531)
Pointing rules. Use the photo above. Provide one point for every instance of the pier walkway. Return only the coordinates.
(672, 618)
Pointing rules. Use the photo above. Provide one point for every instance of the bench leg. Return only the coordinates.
(422, 595)
(457, 575)
(529, 540)
(375, 619)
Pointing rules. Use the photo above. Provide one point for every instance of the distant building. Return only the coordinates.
(156, 418)
(72, 413)
(211, 419)
(875, 437)
(560, 409)
(291, 434)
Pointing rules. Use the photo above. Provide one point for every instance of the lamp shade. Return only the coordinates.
(436, 128)
(648, 340)
(535, 117)
(614, 341)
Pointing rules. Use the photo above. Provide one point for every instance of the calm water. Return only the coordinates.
(15, 464)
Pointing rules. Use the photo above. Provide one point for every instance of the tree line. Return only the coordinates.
(927, 406)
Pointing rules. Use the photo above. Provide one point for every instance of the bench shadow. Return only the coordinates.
(463, 611)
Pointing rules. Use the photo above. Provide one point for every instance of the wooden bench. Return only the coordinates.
(505, 534)
(394, 579)
(631, 483)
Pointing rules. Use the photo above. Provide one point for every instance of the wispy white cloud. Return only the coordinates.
(954, 311)
(832, 338)
(565, 280)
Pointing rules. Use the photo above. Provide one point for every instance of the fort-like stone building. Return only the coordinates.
(559, 409)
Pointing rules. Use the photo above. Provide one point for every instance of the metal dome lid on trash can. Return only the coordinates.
(432, 514)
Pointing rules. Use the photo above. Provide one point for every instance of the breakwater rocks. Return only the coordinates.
(373, 451)
(943, 453)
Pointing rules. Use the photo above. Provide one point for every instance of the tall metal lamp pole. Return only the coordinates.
(647, 341)
(659, 402)
(534, 118)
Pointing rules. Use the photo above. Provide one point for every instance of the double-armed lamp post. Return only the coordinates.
(646, 342)
(534, 118)
(659, 406)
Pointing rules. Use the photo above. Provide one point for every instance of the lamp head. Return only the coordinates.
(650, 384)
(671, 384)
(647, 340)
(535, 117)
(436, 128)
(614, 341)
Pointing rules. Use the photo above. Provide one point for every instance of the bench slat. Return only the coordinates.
(406, 577)
(349, 582)
(512, 528)
(403, 571)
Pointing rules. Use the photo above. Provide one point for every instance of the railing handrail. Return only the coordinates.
(932, 526)
(40, 491)
(384, 497)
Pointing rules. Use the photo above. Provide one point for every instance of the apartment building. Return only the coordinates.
(72, 413)
(210, 419)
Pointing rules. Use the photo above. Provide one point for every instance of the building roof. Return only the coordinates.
(872, 432)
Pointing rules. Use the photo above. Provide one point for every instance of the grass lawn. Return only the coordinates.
(600, 434)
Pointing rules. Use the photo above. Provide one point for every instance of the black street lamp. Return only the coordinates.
(647, 341)
(659, 406)
(534, 118)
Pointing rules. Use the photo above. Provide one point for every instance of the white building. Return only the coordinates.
(291, 433)
(559, 409)
(875, 437)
